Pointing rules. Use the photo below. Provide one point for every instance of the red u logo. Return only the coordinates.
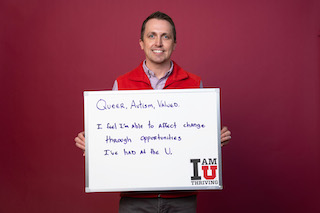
(205, 172)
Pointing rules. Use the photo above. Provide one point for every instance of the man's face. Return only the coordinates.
(158, 42)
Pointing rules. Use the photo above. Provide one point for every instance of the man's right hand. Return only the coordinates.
(80, 142)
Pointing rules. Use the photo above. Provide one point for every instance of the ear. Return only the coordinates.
(141, 44)
(174, 45)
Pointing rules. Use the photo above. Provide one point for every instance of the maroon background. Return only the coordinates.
(264, 55)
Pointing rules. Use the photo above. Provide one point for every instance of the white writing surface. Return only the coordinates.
(152, 140)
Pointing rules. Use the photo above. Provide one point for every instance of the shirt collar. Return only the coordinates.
(150, 73)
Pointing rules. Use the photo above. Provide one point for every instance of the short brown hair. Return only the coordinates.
(161, 16)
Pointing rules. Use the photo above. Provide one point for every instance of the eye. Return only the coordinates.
(151, 36)
(166, 36)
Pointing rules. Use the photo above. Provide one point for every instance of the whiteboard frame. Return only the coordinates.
(155, 92)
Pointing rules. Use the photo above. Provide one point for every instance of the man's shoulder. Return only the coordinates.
(194, 76)
(136, 72)
(181, 71)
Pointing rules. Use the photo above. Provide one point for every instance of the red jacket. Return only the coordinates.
(137, 79)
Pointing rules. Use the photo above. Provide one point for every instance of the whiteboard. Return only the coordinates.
(152, 140)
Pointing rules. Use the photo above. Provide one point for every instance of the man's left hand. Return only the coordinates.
(225, 136)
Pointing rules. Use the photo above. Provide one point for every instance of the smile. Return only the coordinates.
(157, 51)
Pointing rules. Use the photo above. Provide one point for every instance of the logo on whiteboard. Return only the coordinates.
(204, 171)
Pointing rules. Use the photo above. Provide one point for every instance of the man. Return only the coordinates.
(158, 41)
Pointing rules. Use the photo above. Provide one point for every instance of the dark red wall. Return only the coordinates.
(264, 55)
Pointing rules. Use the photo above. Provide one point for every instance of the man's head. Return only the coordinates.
(160, 16)
(158, 40)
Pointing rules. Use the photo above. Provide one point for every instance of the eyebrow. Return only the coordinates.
(162, 34)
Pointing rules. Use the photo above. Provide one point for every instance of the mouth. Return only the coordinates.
(158, 51)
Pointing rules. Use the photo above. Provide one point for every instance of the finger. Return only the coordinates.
(81, 136)
(224, 129)
(79, 141)
(79, 145)
(225, 139)
(225, 134)
(224, 143)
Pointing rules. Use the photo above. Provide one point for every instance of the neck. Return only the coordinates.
(159, 70)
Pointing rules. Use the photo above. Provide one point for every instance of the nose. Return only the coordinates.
(158, 42)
